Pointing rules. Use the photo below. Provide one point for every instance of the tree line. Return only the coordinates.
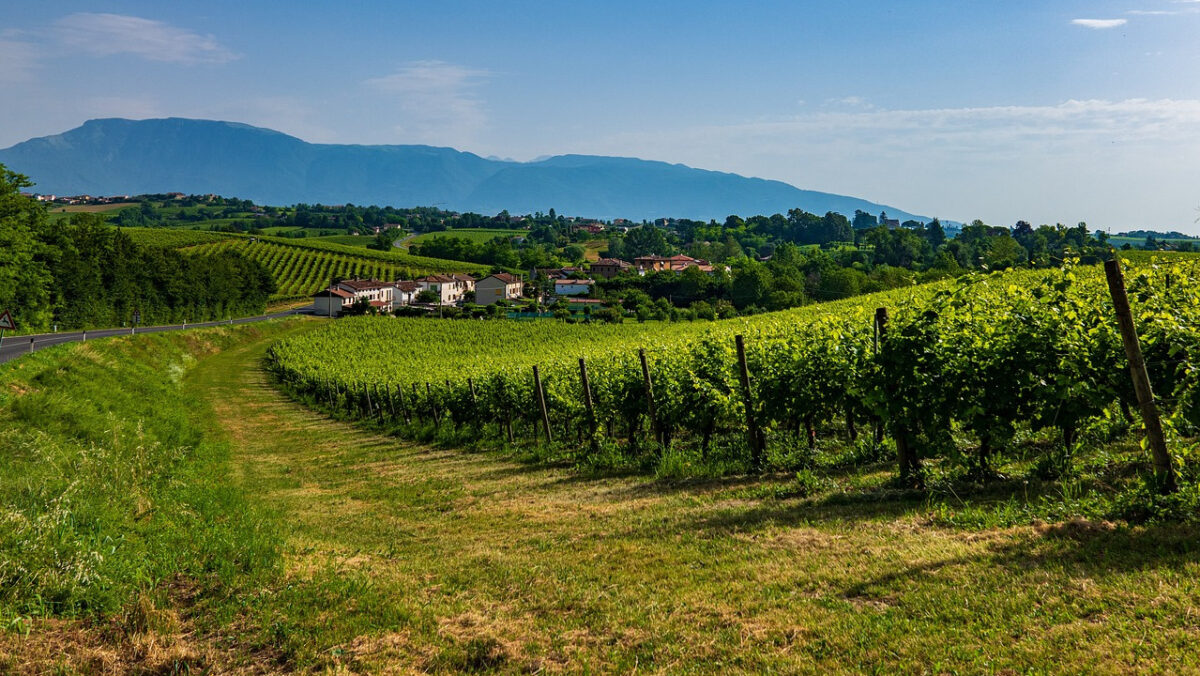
(83, 273)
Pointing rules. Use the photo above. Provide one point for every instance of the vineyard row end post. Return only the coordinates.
(1164, 470)
(541, 397)
(587, 402)
(753, 433)
(649, 386)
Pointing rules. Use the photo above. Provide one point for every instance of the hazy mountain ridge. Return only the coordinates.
(118, 156)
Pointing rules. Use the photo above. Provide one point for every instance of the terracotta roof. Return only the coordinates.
(333, 292)
(379, 303)
(463, 278)
(611, 262)
(506, 278)
(437, 278)
(408, 286)
(584, 282)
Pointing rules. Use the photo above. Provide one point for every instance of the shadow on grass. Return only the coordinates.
(1076, 548)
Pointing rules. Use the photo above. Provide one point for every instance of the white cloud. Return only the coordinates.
(17, 61)
(1099, 24)
(109, 34)
(437, 102)
(851, 102)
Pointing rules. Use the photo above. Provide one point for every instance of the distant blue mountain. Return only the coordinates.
(117, 156)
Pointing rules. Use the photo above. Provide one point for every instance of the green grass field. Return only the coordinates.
(238, 531)
(473, 234)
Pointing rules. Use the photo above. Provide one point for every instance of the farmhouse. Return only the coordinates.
(498, 287)
(676, 263)
(406, 293)
(383, 296)
(573, 287)
(467, 281)
(378, 293)
(609, 267)
(449, 289)
(331, 301)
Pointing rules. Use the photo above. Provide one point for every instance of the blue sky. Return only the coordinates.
(1005, 110)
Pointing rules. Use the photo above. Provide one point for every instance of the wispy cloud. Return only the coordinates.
(18, 59)
(437, 100)
(110, 34)
(1099, 24)
(1093, 159)
(1165, 12)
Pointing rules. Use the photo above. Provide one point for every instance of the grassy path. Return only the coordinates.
(402, 558)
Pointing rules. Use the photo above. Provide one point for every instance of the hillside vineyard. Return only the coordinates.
(984, 356)
(300, 270)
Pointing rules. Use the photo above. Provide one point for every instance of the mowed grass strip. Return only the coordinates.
(398, 557)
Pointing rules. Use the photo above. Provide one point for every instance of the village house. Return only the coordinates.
(609, 267)
(676, 263)
(554, 273)
(590, 228)
(498, 287)
(383, 296)
(573, 287)
(331, 302)
(449, 289)
(405, 294)
(378, 294)
(467, 281)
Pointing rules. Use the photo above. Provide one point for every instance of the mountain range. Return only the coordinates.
(119, 156)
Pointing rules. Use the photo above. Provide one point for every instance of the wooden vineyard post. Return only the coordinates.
(416, 399)
(649, 387)
(880, 320)
(910, 465)
(433, 409)
(587, 402)
(449, 392)
(508, 427)
(391, 401)
(403, 405)
(1164, 471)
(367, 394)
(474, 404)
(753, 433)
(541, 397)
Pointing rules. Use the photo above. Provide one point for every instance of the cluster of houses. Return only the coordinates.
(77, 199)
(449, 289)
(452, 289)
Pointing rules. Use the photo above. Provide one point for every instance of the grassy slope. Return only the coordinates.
(115, 502)
(397, 555)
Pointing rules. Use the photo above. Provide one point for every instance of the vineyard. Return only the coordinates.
(1017, 370)
(173, 238)
(303, 269)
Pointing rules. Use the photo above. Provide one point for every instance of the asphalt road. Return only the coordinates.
(15, 346)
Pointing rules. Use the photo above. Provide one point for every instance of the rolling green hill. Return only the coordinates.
(303, 268)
